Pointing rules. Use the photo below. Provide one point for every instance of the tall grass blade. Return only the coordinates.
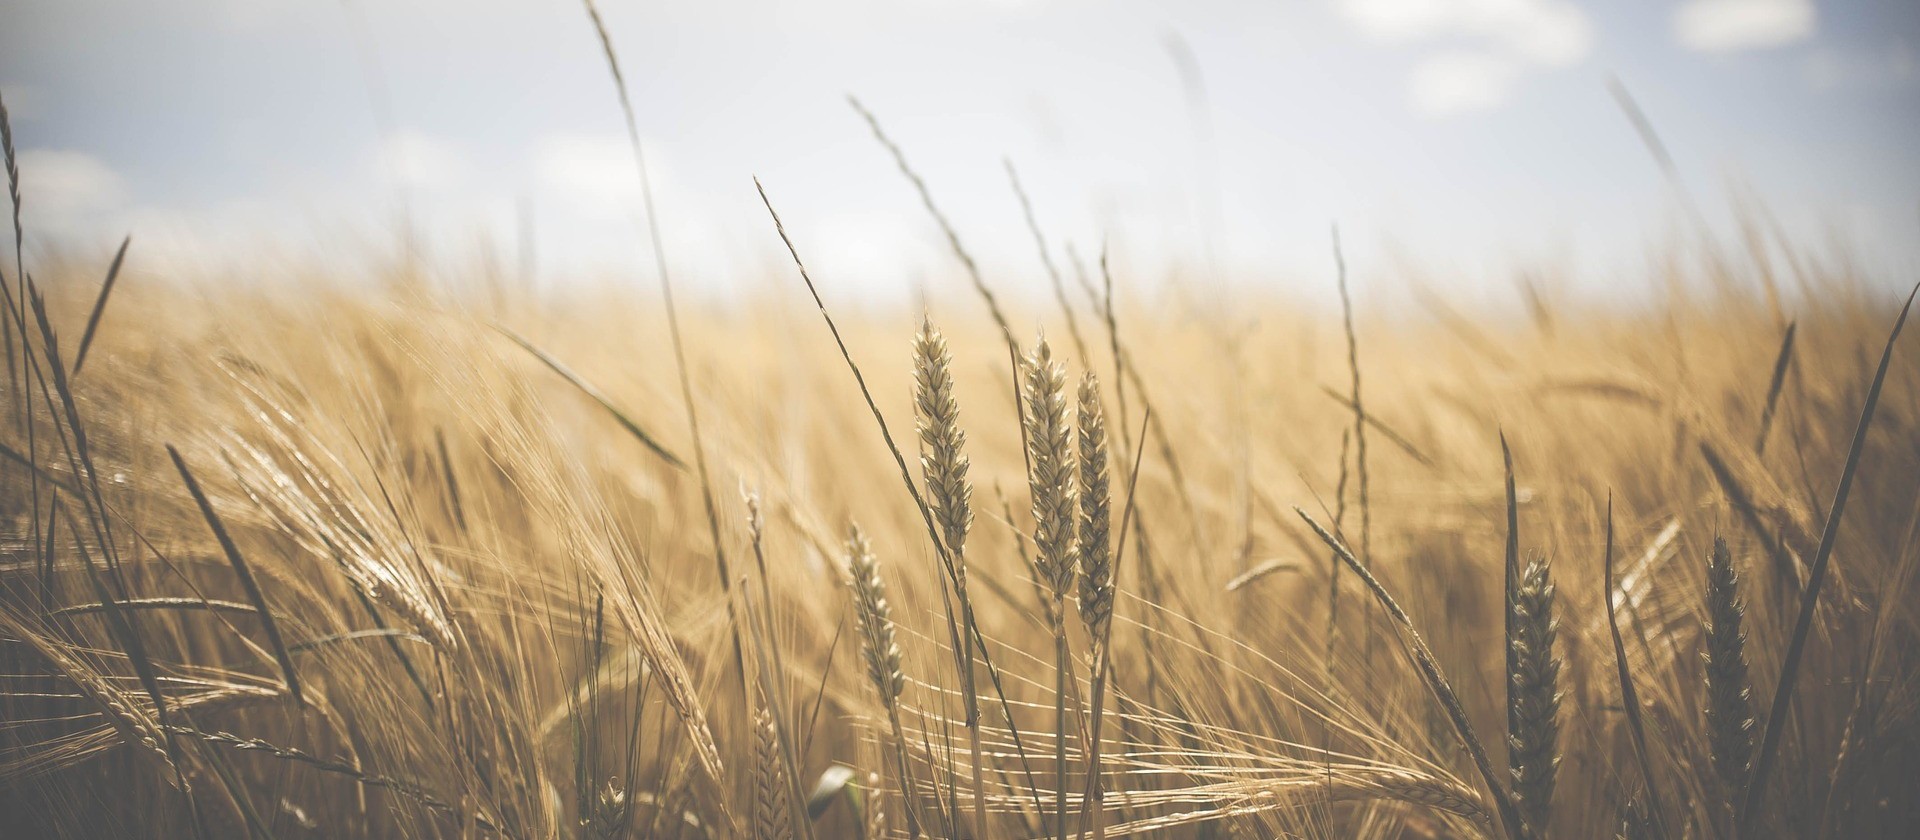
(1817, 575)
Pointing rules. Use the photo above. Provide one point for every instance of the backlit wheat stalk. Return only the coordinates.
(1534, 729)
(881, 652)
(1729, 711)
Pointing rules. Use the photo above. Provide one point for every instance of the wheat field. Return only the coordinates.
(382, 556)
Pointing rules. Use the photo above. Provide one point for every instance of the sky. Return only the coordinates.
(1466, 141)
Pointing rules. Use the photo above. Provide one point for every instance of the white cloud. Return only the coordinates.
(1547, 32)
(418, 160)
(59, 186)
(1509, 37)
(593, 168)
(1461, 82)
(1729, 25)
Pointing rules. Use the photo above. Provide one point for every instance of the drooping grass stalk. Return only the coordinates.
(881, 651)
(1435, 679)
(1393, 436)
(1729, 710)
(1051, 480)
(1816, 576)
(943, 465)
(620, 416)
(1533, 726)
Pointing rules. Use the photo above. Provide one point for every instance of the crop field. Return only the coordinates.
(376, 555)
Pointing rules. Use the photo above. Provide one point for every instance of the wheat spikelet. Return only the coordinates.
(1050, 448)
(1533, 727)
(874, 822)
(1096, 554)
(875, 616)
(943, 458)
(1729, 711)
(1417, 789)
(770, 807)
(130, 720)
(881, 650)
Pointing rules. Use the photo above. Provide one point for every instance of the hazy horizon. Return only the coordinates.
(1472, 140)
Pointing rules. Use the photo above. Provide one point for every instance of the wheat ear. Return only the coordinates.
(1096, 577)
(881, 650)
(770, 806)
(1051, 481)
(1730, 723)
(943, 464)
(1096, 504)
(1533, 726)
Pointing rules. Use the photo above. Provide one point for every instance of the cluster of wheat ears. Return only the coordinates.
(341, 561)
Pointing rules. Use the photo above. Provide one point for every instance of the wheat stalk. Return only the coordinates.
(1533, 727)
(1050, 480)
(1095, 546)
(881, 650)
(943, 460)
(1096, 574)
(770, 807)
(943, 463)
(1729, 710)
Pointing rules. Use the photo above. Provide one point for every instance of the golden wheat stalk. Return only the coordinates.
(1050, 480)
(770, 807)
(943, 464)
(880, 649)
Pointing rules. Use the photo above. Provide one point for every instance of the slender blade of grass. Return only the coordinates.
(625, 420)
(241, 571)
(100, 305)
(1628, 697)
(1810, 599)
